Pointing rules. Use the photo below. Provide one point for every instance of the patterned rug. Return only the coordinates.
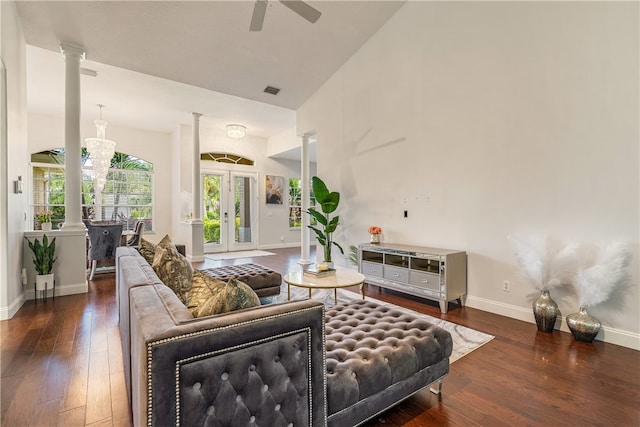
(465, 340)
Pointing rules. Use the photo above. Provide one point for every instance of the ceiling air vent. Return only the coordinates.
(272, 90)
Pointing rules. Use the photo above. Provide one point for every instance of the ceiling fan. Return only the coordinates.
(298, 6)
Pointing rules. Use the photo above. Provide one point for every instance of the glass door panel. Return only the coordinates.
(229, 211)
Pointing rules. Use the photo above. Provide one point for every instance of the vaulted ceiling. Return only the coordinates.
(201, 53)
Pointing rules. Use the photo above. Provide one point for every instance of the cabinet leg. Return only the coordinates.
(462, 300)
(444, 306)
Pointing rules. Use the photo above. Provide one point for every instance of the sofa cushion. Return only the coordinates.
(147, 250)
(211, 296)
(173, 269)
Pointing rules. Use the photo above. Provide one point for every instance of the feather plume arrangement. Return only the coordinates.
(595, 283)
(543, 263)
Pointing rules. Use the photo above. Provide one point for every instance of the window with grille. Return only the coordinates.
(126, 197)
(295, 204)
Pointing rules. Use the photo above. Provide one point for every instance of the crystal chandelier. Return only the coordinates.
(236, 131)
(101, 151)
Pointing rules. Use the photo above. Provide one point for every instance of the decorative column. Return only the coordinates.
(305, 182)
(73, 54)
(197, 225)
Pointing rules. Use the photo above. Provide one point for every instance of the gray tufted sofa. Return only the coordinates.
(263, 365)
(289, 364)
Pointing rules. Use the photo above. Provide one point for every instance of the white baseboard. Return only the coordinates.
(10, 311)
(62, 290)
(606, 334)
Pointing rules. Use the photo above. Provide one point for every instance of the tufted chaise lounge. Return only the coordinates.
(269, 365)
(377, 357)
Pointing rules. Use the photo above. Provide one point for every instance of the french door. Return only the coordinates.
(229, 201)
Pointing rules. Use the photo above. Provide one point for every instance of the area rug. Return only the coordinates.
(234, 255)
(465, 340)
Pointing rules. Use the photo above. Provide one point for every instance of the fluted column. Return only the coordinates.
(305, 182)
(73, 55)
(197, 226)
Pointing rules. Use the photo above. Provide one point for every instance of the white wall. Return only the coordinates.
(273, 220)
(14, 162)
(47, 132)
(484, 119)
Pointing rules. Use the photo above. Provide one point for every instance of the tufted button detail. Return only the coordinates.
(224, 376)
(238, 398)
(197, 386)
(252, 368)
(277, 359)
(210, 410)
(277, 408)
(252, 419)
(265, 387)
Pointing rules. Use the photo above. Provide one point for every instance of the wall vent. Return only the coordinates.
(272, 90)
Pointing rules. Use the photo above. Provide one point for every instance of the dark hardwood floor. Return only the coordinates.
(62, 365)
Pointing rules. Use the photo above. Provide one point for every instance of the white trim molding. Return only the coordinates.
(606, 334)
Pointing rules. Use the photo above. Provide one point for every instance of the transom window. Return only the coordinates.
(127, 195)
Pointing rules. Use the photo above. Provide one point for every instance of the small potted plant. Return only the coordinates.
(43, 259)
(44, 218)
(328, 201)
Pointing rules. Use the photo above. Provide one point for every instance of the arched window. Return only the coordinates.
(127, 195)
(227, 158)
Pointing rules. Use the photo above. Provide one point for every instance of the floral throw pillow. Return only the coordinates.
(173, 269)
(212, 296)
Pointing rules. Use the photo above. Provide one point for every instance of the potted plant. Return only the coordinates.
(44, 218)
(328, 201)
(43, 259)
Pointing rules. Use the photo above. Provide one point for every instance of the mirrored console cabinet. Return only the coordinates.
(436, 274)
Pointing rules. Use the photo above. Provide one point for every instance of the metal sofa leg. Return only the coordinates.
(438, 388)
(94, 263)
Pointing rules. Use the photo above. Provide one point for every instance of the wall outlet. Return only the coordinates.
(506, 286)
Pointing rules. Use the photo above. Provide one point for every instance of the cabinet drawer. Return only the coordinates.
(425, 280)
(396, 273)
(371, 269)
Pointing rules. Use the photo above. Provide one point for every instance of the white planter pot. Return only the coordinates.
(44, 281)
(46, 226)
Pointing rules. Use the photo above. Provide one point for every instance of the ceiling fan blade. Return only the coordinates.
(303, 9)
(258, 15)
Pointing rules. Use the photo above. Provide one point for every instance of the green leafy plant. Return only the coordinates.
(44, 216)
(43, 254)
(326, 225)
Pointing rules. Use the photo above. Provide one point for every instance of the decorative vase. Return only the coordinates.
(375, 238)
(44, 282)
(46, 226)
(583, 326)
(546, 311)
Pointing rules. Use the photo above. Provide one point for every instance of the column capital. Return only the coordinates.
(70, 49)
(196, 116)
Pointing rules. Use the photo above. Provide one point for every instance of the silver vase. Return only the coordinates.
(583, 326)
(546, 311)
